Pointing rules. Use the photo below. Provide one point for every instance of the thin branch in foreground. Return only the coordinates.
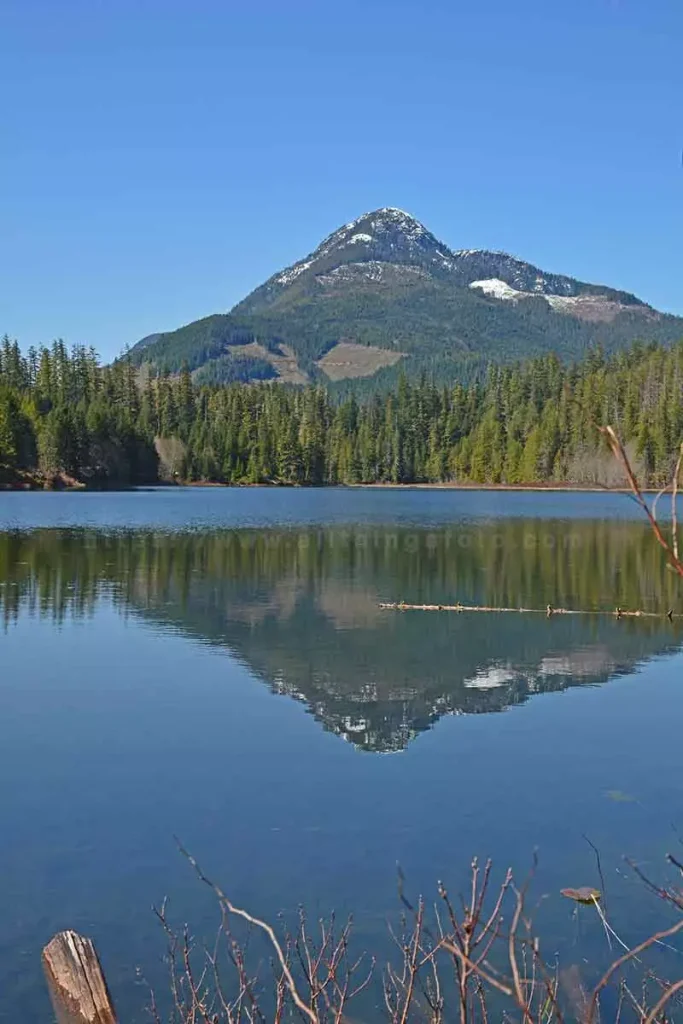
(470, 959)
(670, 549)
(630, 955)
(257, 923)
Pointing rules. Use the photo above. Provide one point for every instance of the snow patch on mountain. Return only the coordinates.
(593, 308)
(596, 308)
(293, 272)
(371, 270)
(466, 253)
(498, 289)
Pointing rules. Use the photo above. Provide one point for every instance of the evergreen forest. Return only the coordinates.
(66, 419)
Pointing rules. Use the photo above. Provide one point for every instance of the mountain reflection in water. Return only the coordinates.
(300, 607)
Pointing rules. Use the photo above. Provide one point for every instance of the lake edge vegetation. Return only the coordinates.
(471, 957)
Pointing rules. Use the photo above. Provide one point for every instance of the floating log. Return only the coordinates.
(548, 611)
(74, 977)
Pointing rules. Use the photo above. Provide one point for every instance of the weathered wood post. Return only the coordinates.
(74, 976)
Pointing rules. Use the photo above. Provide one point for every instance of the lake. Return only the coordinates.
(213, 665)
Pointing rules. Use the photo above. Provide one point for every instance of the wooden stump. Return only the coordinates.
(77, 986)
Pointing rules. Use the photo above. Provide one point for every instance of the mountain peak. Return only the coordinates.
(390, 215)
(387, 212)
(383, 290)
(388, 218)
(379, 236)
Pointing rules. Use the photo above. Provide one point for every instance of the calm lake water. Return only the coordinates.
(213, 665)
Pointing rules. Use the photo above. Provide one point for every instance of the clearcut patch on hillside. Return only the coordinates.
(347, 359)
(286, 366)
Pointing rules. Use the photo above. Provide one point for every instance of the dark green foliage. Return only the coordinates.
(229, 369)
(193, 345)
(446, 332)
(535, 422)
(65, 417)
(530, 423)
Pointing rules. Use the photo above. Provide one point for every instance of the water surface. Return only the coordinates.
(213, 664)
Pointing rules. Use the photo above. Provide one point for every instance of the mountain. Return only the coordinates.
(383, 292)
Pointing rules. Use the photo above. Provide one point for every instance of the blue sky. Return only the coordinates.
(159, 158)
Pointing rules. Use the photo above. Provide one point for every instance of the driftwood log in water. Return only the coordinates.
(548, 611)
(74, 977)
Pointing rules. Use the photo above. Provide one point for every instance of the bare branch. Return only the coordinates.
(661, 1003)
(258, 923)
(619, 453)
(632, 954)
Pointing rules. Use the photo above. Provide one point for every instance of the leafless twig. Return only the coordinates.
(670, 549)
(475, 958)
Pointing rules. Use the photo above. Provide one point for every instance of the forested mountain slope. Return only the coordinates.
(383, 294)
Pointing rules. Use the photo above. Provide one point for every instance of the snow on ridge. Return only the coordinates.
(347, 235)
(387, 213)
(498, 289)
(465, 253)
(375, 225)
(567, 302)
(373, 270)
(595, 308)
(445, 260)
(287, 276)
(394, 213)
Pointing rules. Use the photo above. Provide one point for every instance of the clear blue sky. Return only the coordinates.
(160, 158)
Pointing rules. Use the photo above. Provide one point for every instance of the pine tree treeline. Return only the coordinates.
(65, 417)
(536, 422)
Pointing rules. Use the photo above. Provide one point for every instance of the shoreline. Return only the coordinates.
(538, 488)
(26, 487)
(533, 488)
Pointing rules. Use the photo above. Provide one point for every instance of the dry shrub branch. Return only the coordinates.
(670, 547)
(473, 959)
